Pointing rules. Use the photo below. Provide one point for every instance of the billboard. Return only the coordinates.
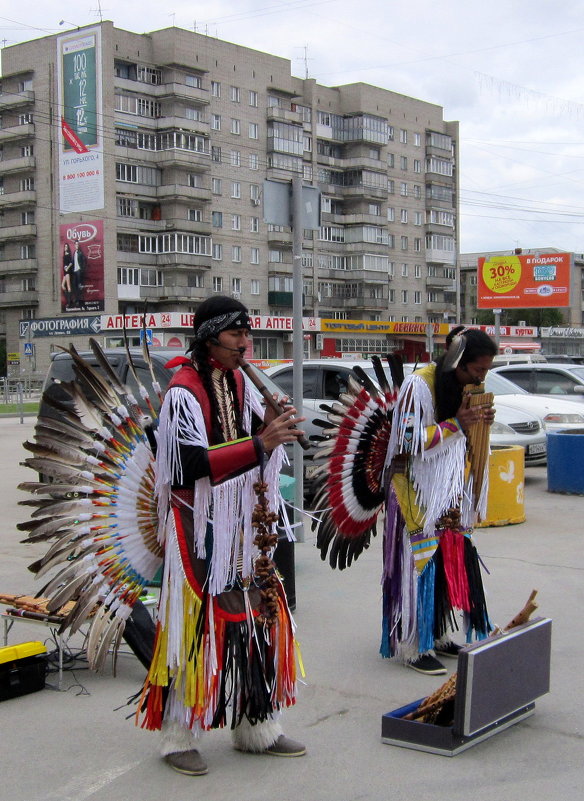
(81, 266)
(80, 121)
(522, 281)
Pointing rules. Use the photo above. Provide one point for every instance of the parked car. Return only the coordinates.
(553, 379)
(325, 379)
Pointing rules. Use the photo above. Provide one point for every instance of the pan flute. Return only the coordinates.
(478, 438)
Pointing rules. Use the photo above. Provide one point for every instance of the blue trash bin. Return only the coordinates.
(565, 461)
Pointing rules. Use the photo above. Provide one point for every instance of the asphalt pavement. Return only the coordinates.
(77, 743)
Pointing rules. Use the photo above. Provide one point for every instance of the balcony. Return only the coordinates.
(438, 256)
(173, 293)
(17, 132)
(440, 282)
(363, 191)
(280, 238)
(179, 261)
(20, 231)
(14, 199)
(17, 165)
(181, 191)
(283, 115)
(190, 159)
(183, 124)
(362, 302)
(132, 224)
(18, 266)
(16, 99)
(280, 299)
(18, 298)
(439, 307)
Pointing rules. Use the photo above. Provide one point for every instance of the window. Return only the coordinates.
(194, 180)
(254, 161)
(129, 276)
(403, 189)
(193, 113)
(403, 162)
(417, 296)
(253, 130)
(235, 94)
(391, 295)
(254, 225)
(417, 191)
(217, 252)
(215, 88)
(28, 251)
(236, 253)
(27, 150)
(236, 222)
(417, 165)
(236, 285)
(28, 284)
(404, 215)
(26, 184)
(404, 270)
(417, 244)
(235, 158)
(217, 219)
(25, 119)
(375, 209)
(235, 126)
(137, 174)
(195, 215)
(254, 286)
(254, 258)
(216, 122)
(235, 189)
(216, 186)
(216, 153)
(194, 81)
(196, 281)
(404, 242)
(26, 217)
(390, 214)
(417, 140)
(217, 283)
(253, 98)
(417, 270)
(390, 186)
(404, 296)
(403, 136)
(418, 218)
(254, 193)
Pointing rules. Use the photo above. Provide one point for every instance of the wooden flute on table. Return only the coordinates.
(256, 380)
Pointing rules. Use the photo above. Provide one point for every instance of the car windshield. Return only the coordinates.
(578, 372)
(500, 385)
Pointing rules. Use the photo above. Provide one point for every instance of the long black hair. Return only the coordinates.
(212, 307)
(447, 388)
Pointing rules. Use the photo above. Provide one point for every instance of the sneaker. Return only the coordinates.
(449, 649)
(284, 747)
(189, 762)
(427, 664)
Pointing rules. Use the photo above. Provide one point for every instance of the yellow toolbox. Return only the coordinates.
(23, 669)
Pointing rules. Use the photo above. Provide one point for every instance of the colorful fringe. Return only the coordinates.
(419, 608)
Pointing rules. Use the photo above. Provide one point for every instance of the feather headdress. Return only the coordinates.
(350, 491)
(94, 504)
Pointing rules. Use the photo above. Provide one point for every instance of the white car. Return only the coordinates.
(325, 379)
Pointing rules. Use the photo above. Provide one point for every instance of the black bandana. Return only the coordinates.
(222, 322)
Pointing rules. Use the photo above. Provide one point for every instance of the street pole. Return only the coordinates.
(497, 313)
(297, 346)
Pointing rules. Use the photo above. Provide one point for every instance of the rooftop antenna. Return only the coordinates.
(306, 60)
(98, 11)
(173, 15)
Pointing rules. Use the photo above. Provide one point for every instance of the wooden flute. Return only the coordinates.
(256, 380)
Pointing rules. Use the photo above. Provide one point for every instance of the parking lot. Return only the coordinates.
(77, 744)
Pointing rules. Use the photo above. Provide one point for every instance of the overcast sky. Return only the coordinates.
(510, 71)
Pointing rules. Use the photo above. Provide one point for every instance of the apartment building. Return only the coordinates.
(132, 169)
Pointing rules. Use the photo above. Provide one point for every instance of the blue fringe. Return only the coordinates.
(385, 647)
(426, 608)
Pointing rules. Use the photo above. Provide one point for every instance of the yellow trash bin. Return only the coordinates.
(505, 501)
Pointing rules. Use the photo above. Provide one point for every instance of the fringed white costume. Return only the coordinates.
(431, 567)
(211, 651)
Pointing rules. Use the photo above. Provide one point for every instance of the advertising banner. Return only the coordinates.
(81, 115)
(81, 266)
(524, 281)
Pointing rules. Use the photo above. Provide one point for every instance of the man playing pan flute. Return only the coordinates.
(436, 494)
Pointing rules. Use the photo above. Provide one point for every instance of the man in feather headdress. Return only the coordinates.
(214, 648)
(431, 567)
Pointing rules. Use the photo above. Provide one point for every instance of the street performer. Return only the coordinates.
(223, 654)
(431, 567)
